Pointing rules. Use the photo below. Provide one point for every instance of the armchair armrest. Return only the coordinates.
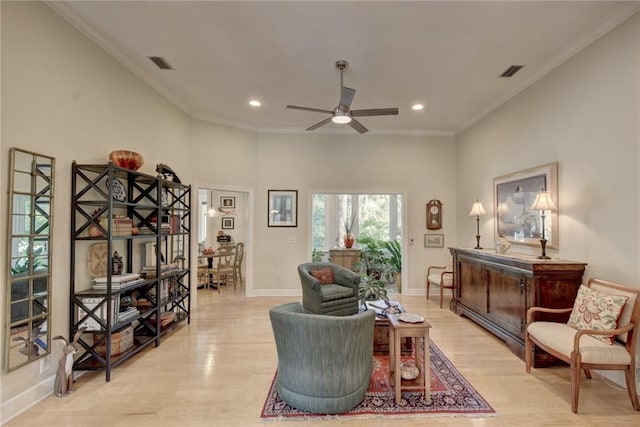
(435, 267)
(613, 332)
(533, 310)
(346, 277)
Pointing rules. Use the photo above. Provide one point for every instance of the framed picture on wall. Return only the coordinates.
(434, 240)
(513, 195)
(227, 202)
(282, 210)
(228, 222)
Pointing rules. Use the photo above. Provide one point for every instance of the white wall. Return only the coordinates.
(419, 166)
(584, 115)
(63, 96)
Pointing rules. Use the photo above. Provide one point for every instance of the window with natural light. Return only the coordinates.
(376, 216)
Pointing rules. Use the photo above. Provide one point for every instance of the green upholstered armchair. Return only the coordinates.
(339, 298)
(324, 362)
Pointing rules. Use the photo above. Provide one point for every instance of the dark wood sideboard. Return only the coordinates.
(496, 290)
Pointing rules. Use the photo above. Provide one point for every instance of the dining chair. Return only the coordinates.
(223, 266)
(237, 266)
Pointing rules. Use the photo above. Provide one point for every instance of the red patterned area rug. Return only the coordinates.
(451, 394)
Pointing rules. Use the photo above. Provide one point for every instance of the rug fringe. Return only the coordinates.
(310, 418)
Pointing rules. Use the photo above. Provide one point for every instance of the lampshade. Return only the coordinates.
(543, 202)
(340, 117)
(477, 209)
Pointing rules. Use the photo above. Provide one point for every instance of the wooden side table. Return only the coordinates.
(420, 333)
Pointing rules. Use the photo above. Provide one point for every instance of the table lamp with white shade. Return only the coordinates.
(543, 203)
(476, 210)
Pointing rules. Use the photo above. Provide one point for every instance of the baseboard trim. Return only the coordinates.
(25, 400)
(274, 293)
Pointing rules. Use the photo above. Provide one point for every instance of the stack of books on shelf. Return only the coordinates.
(129, 314)
(120, 282)
(149, 271)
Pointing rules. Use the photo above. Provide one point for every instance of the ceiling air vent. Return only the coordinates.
(511, 70)
(161, 62)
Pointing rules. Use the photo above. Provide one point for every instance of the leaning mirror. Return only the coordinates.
(29, 225)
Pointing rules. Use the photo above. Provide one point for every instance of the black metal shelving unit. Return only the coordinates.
(161, 210)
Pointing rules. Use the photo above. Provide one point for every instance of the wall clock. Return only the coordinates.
(434, 214)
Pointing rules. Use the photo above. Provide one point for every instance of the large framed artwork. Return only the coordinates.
(283, 208)
(513, 195)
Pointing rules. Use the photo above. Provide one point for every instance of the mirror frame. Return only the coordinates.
(28, 293)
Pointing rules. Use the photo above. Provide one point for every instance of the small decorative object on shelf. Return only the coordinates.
(127, 159)
(165, 172)
(502, 244)
(116, 264)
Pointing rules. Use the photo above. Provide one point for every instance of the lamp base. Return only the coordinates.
(478, 243)
(543, 243)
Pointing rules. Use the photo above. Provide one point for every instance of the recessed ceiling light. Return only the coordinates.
(255, 103)
(417, 107)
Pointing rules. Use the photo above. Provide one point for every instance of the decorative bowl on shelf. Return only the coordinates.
(127, 159)
(409, 371)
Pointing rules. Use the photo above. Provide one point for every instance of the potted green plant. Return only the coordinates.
(374, 260)
(395, 261)
(371, 289)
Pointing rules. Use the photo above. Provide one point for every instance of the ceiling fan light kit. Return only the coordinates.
(342, 114)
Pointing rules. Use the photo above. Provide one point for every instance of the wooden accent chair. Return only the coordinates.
(443, 279)
(223, 269)
(237, 266)
(581, 350)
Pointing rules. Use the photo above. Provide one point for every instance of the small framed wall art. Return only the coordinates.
(434, 240)
(282, 208)
(227, 202)
(228, 222)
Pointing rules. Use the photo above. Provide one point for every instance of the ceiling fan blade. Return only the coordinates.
(316, 110)
(375, 112)
(357, 126)
(317, 125)
(346, 98)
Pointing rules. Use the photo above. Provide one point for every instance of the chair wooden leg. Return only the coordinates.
(428, 284)
(441, 294)
(630, 377)
(587, 373)
(528, 350)
(575, 382)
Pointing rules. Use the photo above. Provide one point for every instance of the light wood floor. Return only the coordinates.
(216, 372)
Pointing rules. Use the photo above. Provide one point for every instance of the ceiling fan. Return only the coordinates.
(342, 113)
